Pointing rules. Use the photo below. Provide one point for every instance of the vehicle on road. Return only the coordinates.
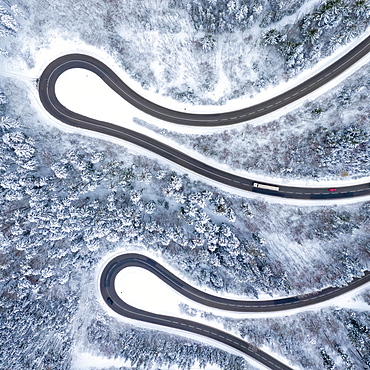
(264, 186)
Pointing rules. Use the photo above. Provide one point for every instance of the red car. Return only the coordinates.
(332, 189)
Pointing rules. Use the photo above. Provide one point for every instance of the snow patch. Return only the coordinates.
(86, 360)
(82, 91)
(142, 289)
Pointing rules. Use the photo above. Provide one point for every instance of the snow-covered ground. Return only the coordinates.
(53, 234)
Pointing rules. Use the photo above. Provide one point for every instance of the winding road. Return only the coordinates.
(46, 86)
(63, 63)
(110, 296)
(51, 103)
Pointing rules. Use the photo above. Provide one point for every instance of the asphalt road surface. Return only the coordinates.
(110, 296)
(55, 108)
(217, 119)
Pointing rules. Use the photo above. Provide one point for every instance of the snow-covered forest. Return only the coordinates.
(67, 200)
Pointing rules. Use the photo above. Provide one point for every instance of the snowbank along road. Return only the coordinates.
(110, 296)
(55, 108)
